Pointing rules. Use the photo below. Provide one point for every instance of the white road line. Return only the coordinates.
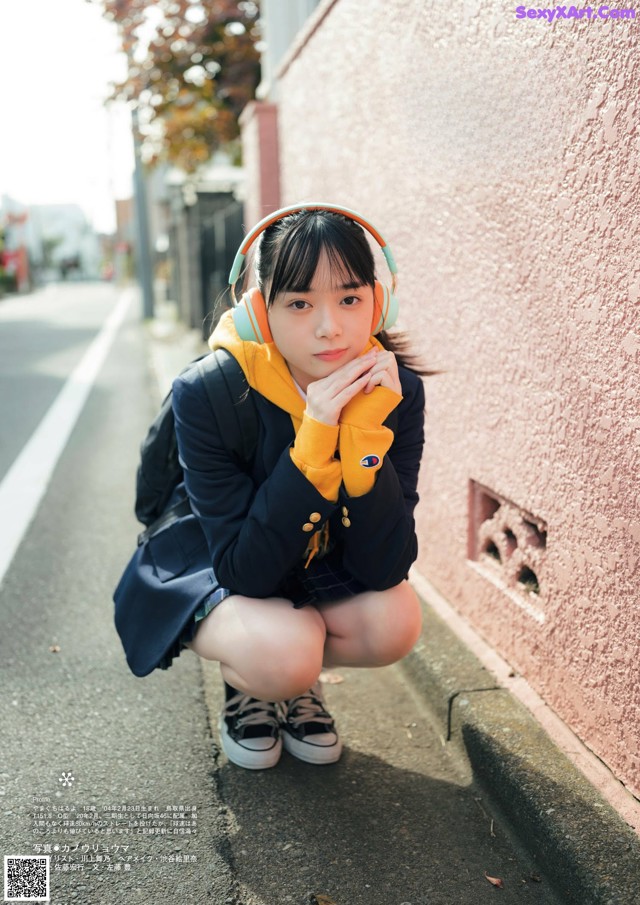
(26, 482)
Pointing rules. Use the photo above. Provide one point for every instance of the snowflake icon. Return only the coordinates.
(66, 779)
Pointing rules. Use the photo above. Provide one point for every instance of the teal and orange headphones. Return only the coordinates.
(250, 313)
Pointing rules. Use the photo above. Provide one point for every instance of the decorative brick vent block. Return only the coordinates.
(508, 546)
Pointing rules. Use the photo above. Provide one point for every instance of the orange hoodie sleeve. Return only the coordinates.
(313, 453)
(364, 441)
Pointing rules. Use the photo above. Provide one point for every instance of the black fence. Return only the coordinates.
(220, 237)
(203, 240)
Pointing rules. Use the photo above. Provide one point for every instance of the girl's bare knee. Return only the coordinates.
(280, 678)
(281, 665)
(395, 627)
(277, 651)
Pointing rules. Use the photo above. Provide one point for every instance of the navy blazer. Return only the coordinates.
(253, 517)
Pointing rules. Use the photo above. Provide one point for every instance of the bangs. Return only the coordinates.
(296, 261)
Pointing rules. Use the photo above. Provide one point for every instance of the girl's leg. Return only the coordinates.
(266, 648)
(375, 628)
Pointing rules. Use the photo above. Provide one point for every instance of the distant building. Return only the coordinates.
(14, 256)
(62, 243)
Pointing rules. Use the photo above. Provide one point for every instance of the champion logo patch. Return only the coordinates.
(370, 461)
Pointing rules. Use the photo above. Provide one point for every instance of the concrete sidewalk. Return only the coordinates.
(571, 838)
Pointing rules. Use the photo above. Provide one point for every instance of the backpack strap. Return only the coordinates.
(232, 403)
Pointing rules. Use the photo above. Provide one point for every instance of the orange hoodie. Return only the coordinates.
(360, 438)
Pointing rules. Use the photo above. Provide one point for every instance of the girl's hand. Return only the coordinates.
(327, 397)
(384, 373)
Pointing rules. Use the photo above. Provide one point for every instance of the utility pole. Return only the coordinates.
(143, 257)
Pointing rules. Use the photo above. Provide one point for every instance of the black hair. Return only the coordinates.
(289, 250)
(287, 258)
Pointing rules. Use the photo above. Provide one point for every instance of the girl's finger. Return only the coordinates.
(383, 377)
(344, 376)
(376, 376)
(351, 390)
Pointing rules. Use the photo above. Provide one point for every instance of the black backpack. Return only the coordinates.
(160, 472)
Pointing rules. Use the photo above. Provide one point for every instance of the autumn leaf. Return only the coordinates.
(320, 899)
(495, 881)
(330, 678)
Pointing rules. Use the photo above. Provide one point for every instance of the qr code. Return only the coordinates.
(26, 879)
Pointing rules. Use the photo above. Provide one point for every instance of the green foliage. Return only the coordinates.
(193, 65)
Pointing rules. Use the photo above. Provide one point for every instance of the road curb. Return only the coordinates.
(580, 842)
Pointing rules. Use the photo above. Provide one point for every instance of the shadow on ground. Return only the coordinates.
(365, 832)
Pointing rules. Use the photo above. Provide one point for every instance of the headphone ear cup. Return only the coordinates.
(250, 318)
(385, 308)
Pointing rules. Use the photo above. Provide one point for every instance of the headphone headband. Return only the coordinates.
(309, 206)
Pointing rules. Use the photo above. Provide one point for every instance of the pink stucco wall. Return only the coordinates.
(499, 157)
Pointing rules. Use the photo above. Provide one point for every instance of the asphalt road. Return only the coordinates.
(126, 741)
(147, 809)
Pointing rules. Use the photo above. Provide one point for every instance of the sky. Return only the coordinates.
(58, 142)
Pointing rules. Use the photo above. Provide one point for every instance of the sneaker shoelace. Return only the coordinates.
(308, 708)
(249, 713)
